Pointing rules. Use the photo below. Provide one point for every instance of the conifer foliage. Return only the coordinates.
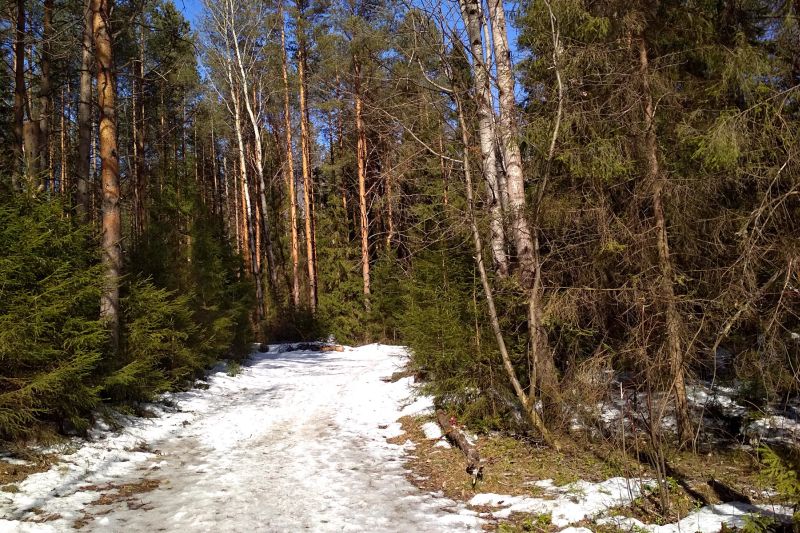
(611, 196)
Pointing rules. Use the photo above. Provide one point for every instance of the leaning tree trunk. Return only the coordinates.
(528, 401)
(248, 231)
(543, 371)
(473, 21)
(109, 170)
(85, 118)
(290, 181)
(258, 152)
(361, 158)
(673, 320)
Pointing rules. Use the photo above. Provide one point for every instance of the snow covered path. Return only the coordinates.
(295, 442)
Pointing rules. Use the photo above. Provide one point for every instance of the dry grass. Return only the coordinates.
(112, 493)
(11, 474)
(513, 465)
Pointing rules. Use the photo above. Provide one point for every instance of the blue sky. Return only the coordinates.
(191, 8)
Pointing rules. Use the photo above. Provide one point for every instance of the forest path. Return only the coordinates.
(295, 442)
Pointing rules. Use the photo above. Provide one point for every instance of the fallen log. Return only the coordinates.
(458, 438)
(306, 347)
(332, 348)
(397, 376)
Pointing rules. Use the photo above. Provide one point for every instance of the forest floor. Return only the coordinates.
(317, 441)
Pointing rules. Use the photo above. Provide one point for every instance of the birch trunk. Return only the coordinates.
(247, 214)
(473, 21)
(257, 141)
(109, 170)
(543, 371)
(528, 401)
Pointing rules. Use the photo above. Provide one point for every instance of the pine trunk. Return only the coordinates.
(308, 190)
(19, 91)
(138, 136)
(290, 181)
(361, 157)
(109, 170)
(46, 94)
(85, 119)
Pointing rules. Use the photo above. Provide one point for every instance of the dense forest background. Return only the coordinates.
(614, 199)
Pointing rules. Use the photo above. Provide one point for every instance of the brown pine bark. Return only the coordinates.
(46, 93)
(673, 320)
(361, 158)
(290, 179)
(85, 119)
(473, 21)
(308, 187)
(109, 170)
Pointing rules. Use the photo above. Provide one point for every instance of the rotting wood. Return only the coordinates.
(457, 437)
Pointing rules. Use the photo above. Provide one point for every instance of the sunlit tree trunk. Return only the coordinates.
(250, 103)
(290, 179)
(527, 400)
(19, 91)
(308, 187)
(46, 94)
(139, 181)
(109, 170)
(361, 158)
(473, 21)
(543, 371)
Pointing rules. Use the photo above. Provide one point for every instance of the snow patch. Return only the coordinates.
(568, 504)
(432, 430)
(707, 519)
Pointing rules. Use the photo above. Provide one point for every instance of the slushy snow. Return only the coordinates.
(296, 441)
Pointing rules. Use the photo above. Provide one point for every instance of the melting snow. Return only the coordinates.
(296, 441)
(568, 504)
(709, 518)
